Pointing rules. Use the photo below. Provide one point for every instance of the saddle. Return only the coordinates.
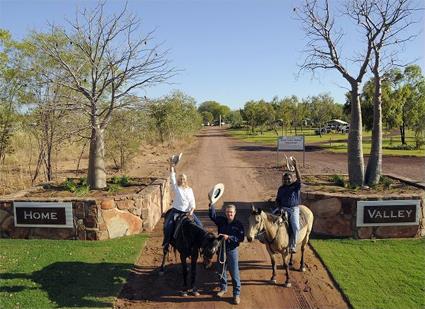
(179, 219)
(303, 220)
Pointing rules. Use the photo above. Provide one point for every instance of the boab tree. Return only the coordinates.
(324, 51)
(104, 60)
(391, 19)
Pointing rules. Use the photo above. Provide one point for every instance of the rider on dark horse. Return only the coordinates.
(288, 199)
(183, 203)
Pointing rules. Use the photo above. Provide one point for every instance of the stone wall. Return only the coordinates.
(335, 215)
(96, 219)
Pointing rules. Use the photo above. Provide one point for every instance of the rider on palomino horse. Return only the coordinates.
(288, 199)
(184, 202)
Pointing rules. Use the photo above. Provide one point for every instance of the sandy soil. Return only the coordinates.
(246, 173)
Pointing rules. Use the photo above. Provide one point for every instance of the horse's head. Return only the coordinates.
(210, 247)
(256, 223)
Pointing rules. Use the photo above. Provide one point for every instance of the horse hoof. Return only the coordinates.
(273, 281)
(195, 293)
(183, 293)
(302, 269)
(288, 284)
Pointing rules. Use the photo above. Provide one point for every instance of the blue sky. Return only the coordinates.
(229, 51)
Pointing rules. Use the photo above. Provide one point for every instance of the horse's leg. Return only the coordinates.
(184, 268)
(286, 267)
(273, 260)
(193, 273)
(290, 260)
(304, 243)
(164, 257)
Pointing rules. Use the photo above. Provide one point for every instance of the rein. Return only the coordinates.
(270, 242)
(222, 249)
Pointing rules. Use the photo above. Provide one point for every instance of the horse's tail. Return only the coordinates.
(309, 218)
(175, 253)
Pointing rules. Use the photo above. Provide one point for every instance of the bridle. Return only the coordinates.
(263, 231)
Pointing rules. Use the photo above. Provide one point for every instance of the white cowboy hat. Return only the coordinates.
(176, 158)
(215, 193)
(289, 164)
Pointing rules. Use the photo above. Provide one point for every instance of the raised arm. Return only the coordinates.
(212, 213)
(297, 171)
(173, 177)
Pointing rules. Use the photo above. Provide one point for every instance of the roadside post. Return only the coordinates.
(290, 143)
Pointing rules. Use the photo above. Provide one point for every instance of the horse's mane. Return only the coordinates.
(272, 217)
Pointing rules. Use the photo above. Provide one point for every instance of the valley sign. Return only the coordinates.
(388, 212)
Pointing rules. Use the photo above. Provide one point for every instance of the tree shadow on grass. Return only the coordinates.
(75, 284)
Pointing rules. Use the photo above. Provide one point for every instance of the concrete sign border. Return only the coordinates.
(386, 203)
(35, 205)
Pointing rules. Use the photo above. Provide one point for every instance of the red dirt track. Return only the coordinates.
(249, 177)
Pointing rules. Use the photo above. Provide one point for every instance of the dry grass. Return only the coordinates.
(18, 169)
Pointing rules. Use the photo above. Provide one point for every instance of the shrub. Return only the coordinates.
(401, 147)
(386, 182)
(70, 185)
(81, 188)
(123, 181)
(338, 180)
(114, 187)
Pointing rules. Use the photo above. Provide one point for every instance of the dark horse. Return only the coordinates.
(189, 241)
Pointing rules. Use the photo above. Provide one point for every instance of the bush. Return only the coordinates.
(114, 187)
(401, 147)
(81, 188)
(123, 181)
(338, 180)
(386, 182)
(70, 185)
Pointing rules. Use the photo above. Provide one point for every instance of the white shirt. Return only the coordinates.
(184, 199)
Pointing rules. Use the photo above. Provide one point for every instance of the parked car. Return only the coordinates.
(323, 130)
(344, 128)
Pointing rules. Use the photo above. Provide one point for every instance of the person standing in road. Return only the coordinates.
(233, 233)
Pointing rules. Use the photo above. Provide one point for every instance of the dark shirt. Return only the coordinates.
(234, 229)
(289, 196)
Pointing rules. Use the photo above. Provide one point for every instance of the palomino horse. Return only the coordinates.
(276, 238)
(190, 240)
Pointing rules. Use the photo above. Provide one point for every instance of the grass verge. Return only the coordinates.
(61, 273)
(333, 142)
(377, 274)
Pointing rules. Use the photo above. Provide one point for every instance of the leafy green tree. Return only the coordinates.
(13, 79)
(174, 116)
(123, 137)
(323, 109)
(207, 117)
(235, 119)
(215, 108)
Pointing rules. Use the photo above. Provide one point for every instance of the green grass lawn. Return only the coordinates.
(377, 274)
(334, 142)
(55, 273)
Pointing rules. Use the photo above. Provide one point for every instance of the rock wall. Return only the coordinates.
(335, 215)
(96, 219)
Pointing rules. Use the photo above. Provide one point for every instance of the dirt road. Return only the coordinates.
(216, 160)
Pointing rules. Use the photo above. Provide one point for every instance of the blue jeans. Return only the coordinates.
(294, 221)
(232, 263)
(170, 225)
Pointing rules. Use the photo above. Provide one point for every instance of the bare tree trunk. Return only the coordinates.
(403, 133)
(96, 176)
(355, 147)
(374, 165)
